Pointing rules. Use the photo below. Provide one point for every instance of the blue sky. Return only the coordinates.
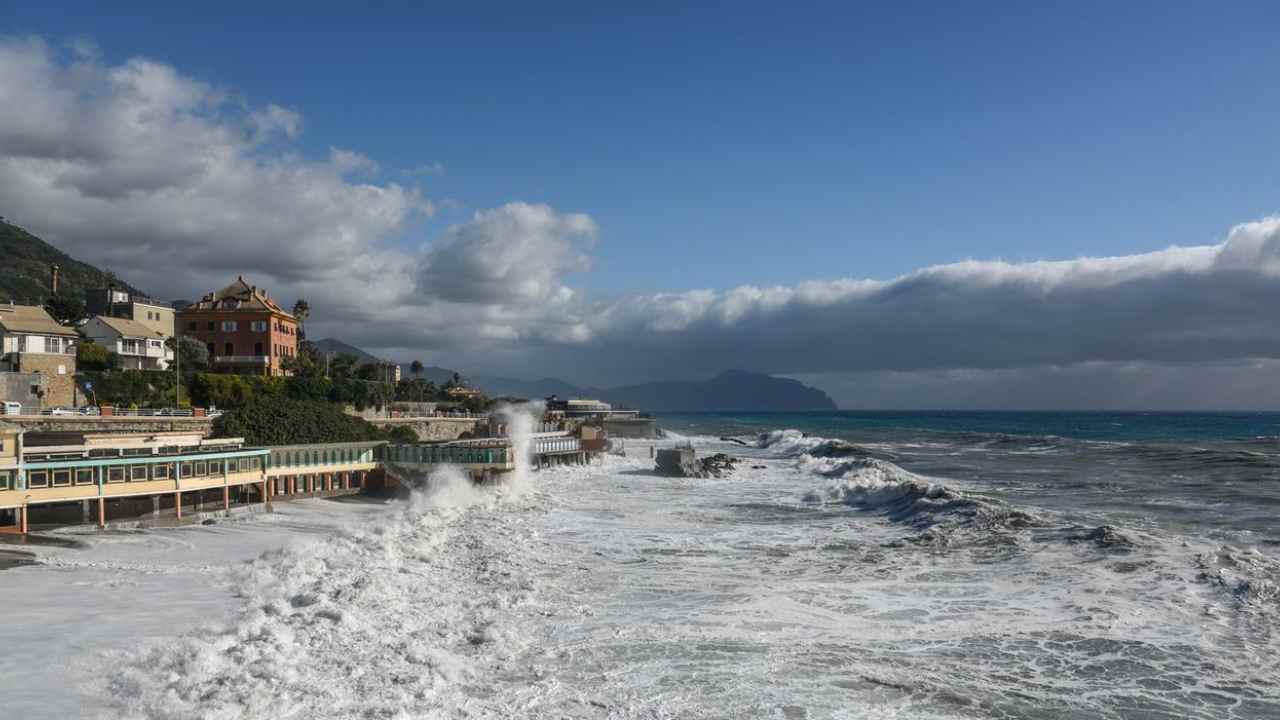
(907, 205)
(750, 143)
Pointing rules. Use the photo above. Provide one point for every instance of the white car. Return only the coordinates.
(61, 411)
(11, 408)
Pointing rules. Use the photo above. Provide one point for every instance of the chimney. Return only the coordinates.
(53, 284)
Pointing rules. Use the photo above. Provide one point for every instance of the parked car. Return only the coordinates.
(89, 410)
(60, 411)
(11, 408)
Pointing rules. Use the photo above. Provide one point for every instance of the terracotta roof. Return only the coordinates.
(129, 328)
(239, 295)
(30, 319)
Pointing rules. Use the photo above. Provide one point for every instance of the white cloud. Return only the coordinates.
(518, 253)
(178, 186)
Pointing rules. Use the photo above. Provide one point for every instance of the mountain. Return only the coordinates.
(25, 273)
(434, 373)
(500, 386)
(337, 347)
(730, 391)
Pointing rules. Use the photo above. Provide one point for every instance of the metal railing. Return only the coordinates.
(151, 412)
(318, 454)
(466, 453)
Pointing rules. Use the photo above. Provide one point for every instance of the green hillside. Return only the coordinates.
(24, 269)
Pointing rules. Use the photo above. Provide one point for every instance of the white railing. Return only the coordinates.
(243, 359)
(151, 412)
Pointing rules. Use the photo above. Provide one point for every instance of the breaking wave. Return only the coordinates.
(394, 620)
(942, 516)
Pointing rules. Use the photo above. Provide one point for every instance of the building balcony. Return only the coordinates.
(241, 360)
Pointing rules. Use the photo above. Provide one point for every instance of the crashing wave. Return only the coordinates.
(941, 514)
(903, 497)
(1251, 578)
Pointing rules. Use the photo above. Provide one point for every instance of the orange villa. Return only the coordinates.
(245, 331)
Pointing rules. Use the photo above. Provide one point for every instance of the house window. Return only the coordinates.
(211, 325)
(61, 478)
(192, 326)
(230, 348)
(84, 476)
(137, 473)
(201, 469)
(6, 480)
(257, 348)
(185, 469)
(38, 478)
(209, 347)
(160, 472)
(115, 474)
(229, 326)
(258, 326)
(244, 465)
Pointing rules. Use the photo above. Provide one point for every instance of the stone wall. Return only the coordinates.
(60, 371)
(432, 429)
(94, 424)
(640, 428)
(16, 387)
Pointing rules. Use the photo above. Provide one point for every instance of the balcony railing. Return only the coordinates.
(242, 359)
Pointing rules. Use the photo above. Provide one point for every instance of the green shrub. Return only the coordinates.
(279, 420)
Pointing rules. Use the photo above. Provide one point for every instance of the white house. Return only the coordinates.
(139, 347)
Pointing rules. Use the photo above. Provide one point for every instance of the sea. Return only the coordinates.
(852, 565)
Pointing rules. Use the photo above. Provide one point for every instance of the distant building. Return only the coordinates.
(113, 302)
(245, 331)
(139, 346)
(33, 344)
(586, 408)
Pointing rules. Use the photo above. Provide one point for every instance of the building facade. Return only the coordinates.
(32, 342)
(113, 302)
(138, 346)
(244, 330)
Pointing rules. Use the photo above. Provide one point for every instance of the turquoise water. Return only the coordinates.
(1121, 427)
(1213, 475)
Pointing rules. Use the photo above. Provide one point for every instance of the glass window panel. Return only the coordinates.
(38, 479)
(84, 476)
(137, 473)
(115, 473)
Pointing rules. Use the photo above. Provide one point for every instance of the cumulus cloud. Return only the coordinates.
(1193, 304)
(517, 253)
(175, 183)
(179, 185)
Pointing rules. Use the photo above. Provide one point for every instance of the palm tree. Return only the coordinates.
(301, 311)
(415, 368)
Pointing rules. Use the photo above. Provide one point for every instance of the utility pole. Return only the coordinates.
(177, 366)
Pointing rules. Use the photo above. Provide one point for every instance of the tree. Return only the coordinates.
(302, 311)
(192, 355)
(66, 309)
(416, 368)
(285, 421)
(91, 356)
(307, 363)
